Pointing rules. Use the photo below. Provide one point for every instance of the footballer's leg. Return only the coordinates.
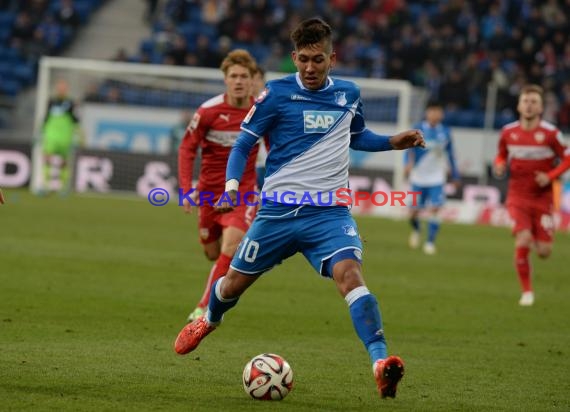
(192, 334)
(414, 239)
(523, 243)
(230, 240)
(417, 202)
(434, 224)
(46, 172)
(436, 200)
(66, 153)
(335, 250)
(367, 321)
(259, 251)
(210, 237)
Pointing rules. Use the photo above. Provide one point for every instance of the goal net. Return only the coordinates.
(129, 114)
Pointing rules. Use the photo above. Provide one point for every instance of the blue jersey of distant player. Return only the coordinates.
(431, 164)
(309, 154)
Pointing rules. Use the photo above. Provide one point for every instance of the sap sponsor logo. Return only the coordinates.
(316, 121)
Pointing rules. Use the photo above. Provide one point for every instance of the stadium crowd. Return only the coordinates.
(454, 48)
(30, 29)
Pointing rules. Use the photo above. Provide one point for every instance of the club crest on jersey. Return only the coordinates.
(317, 121)
(340, 98)
(539, 137)
(349, 230)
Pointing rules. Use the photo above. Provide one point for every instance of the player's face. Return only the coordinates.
(61, 88)
(238, 82)
(314, 63)
(434, 115)
(530, 106)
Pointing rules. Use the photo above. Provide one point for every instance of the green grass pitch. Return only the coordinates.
(93, 292)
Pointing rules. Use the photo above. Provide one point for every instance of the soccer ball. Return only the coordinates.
(267, 377)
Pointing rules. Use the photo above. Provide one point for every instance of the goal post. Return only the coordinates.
(126, 109)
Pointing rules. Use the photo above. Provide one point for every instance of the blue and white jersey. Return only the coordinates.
(309, 136)
(430, 163)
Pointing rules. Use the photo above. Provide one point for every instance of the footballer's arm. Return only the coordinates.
(368, 141)
(235, 168)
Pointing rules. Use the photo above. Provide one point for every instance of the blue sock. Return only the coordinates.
(217, 305)
(415, 222)
(367, 321)
(433, 228)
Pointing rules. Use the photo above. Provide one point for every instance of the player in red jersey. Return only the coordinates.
(214, 128)
(531, 146)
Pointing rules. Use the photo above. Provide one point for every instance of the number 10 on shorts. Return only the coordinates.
(249, 249)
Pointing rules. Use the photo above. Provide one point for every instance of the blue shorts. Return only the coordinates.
(434, 196)
(325, 235)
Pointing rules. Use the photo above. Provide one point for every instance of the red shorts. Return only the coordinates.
(211, 223)
(538, 220)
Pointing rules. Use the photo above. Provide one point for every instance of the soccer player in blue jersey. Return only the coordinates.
(427, 172)
(311, 120)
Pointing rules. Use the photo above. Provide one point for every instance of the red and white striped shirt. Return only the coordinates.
(214, 128)
(527, 152)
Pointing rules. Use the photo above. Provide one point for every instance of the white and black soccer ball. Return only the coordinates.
(267, 377)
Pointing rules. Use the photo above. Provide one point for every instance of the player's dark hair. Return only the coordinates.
(241, 57)
(434, 104)
(312, 31)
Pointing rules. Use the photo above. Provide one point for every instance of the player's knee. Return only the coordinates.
(347, 278)
(230, 248)
(543, 252)
(523, 239)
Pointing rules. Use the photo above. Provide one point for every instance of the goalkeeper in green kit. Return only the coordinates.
(59, 132)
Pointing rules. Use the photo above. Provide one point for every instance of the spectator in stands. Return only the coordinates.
(67, 16)
(177, 50)
(564, 114)
(37, 9)
(22, 30)
(527, 38)
(204, 52)
(9, 5)
(121, 56)
(151, 10)
(114, 95)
